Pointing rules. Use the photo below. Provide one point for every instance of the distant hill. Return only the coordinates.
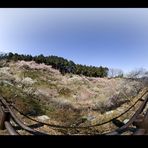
(63, 65)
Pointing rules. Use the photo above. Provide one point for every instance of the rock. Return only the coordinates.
(109, 112)
(49, 81)
(43, 118)
(90, 118)
(125, 121)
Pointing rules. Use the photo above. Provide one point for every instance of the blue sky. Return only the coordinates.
(112, 37)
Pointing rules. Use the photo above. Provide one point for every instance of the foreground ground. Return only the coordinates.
(37, 89)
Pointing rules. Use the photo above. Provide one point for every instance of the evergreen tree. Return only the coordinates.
(63, 65)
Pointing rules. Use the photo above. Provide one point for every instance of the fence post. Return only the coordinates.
(4, 116)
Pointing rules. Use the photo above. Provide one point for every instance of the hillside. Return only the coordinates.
(38, 89)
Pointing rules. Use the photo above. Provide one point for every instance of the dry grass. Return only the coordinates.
(67, 99)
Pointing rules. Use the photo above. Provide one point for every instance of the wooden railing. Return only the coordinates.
(137, 124)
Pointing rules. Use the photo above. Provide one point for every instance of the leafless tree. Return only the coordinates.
(115, 73)
(138, 73)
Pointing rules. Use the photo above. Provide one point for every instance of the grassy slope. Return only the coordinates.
(65, 99)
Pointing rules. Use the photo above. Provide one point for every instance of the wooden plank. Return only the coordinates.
(10, 128)
(4, 116)
(132, 119)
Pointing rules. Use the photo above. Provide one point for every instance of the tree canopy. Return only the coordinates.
(63, 65)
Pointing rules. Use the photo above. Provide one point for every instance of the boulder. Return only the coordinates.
(43, 118)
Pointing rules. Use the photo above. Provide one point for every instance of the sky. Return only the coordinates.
(111, 37)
